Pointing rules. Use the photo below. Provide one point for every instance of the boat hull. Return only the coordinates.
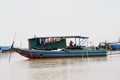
(56, 53)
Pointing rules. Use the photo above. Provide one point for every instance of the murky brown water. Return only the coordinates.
(92, 68)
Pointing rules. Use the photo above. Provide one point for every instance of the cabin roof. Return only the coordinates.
(82, 37)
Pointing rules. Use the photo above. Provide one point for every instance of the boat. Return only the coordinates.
(57, 46)
(4, 49)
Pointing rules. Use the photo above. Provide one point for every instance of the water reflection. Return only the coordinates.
(62, 62)
(61, 68)
(92, 68)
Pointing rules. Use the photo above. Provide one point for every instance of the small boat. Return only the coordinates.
(48, 47)
(4, 49)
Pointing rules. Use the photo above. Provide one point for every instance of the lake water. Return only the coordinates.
(91, 68)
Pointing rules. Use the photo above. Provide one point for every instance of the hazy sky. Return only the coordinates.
(97, 19)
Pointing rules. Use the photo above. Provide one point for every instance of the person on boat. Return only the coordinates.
(71, 43)
(75, 44)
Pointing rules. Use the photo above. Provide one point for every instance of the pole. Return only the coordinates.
(87, 49)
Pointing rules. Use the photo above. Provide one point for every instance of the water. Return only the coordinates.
(92, 68)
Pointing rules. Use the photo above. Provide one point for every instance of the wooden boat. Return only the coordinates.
(41, 48)
(4, 49)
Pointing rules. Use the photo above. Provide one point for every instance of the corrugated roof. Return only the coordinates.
(62, 37)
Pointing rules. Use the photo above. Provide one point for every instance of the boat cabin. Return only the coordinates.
(57, 42)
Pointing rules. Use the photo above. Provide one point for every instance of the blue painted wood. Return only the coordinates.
(60, 53)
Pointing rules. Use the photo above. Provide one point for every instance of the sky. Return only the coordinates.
(97, 19)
